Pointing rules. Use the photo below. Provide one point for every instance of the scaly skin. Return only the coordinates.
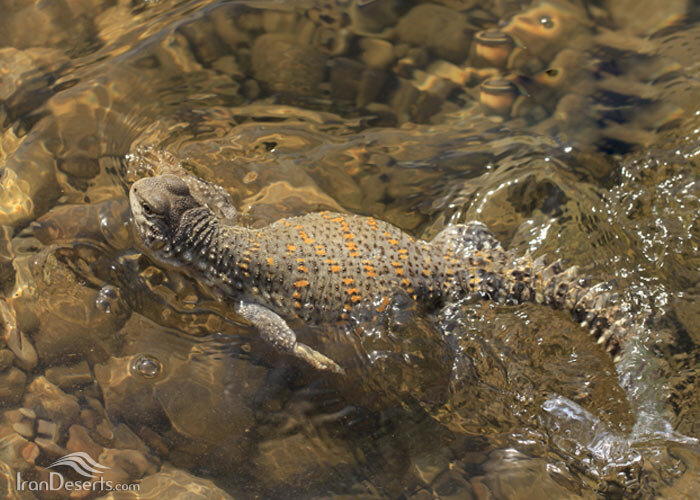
(320, 266)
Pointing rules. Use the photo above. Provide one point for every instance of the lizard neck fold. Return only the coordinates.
(209, 249)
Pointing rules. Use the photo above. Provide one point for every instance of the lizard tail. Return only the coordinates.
(524, 279)
(594, 307)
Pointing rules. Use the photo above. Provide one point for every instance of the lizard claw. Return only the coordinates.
(316, 359)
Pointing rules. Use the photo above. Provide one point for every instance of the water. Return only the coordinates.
(569, 128)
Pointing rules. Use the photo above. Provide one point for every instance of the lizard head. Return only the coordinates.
(157, 206)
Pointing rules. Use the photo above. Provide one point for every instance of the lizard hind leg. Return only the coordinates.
(467, 238)
(275, 330)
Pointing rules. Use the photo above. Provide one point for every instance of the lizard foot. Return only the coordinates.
(316, 359)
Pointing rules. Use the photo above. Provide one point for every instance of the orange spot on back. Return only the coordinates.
(405, 282)
(338, 219)
(270, 261)
(291, 248)
(426, 272)
(355, 298)
(354, 254)
(392, 241)
(301, 283)
(296, 294)
(335, 269)
(348, 236)
(348, 281)
(352, 291)
(382, 307)
(302, 269)
(297, 305)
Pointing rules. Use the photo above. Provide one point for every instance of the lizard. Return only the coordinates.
(320, 266)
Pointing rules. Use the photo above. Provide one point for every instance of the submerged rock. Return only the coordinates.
(286, 66)
(68, 322)
(168, 387)
(174, 484)
(442, 30)
(52, 404)
(12, 386)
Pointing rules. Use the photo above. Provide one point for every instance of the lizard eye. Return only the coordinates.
(146, 208)
(547, 22)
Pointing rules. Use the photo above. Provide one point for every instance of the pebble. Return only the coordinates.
(376, 53)
(276, 21)
(50, 402)
(372, 17)
(79, 440)
(250, 89)
(125, 438)
(332, 41)
(70, 376)
(225, 20)
(345, 77)
(287, 460)
(173, 484)
(125, 466)
(656, 15)
(12, 450)
(27, 413)
(6, 359)
(249, 19)
(104, 429)
(30, 453)
(48, 430)
(439, 28)
(687, 311)
(25, 429)
(28, 184)
(12, 386)
(51, 448)
(88, 418)
(80, 166)
(16, 340)
(204, 41)
(284, 65)
(228, 65)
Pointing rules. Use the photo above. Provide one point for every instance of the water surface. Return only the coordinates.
(571, 129)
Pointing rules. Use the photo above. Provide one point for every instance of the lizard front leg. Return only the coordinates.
(275, 330)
